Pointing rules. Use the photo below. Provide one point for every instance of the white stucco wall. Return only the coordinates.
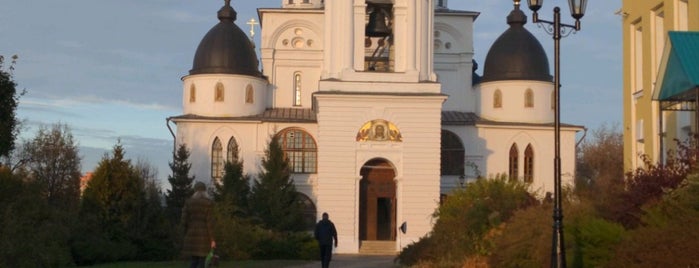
(234, 94)
(416, 160)
(513, 108)
(495, 142)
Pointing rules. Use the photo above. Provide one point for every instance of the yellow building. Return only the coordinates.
(661, 39)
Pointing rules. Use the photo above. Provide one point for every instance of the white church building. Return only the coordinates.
(377, 106)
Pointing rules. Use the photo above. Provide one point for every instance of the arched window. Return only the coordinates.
(301, 150)
(297, 89)
(249, 94)
(218, 94)
(192, 93)
(232, 150)
(497, 99)
(553, 100)
(529, 98)
(529, 164)
(514, 162)
(452, 154)
(309, 211)
(217, 160)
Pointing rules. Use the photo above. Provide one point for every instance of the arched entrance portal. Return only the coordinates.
(377, 201)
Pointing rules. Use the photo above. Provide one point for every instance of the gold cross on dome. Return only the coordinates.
(252, 22)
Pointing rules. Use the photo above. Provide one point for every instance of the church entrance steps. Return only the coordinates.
(376, 247)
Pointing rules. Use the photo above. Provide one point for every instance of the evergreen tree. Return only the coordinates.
(8, 105)
(110, 206)
(180, 182)
(274, 198)
(121, 214)
(234, 189)
(114, 191)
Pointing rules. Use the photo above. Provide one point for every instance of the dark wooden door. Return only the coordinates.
(377, 198)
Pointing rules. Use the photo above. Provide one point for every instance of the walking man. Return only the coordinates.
(325, 233)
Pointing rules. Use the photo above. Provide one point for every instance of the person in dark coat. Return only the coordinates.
(198, 226)
(325, 233)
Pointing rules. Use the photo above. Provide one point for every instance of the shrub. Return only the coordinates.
(466, 221)
(33, 234)
(295, 245)
(526, 239)
(241, 239)
(593, 240)
(648, 184)
(669, 236)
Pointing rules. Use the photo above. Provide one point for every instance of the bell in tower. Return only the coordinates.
(378, 35)
(377, 26)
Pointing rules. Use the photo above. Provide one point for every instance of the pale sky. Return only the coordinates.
(111, 69)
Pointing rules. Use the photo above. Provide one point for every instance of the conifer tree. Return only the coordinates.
(274, 198)
(234, 189)
(114, 190)
(121, 215)
(8, 105)
(180, 181)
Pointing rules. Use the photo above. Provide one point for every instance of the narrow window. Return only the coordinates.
(297, 89)
(529, 98)
(192, 93)
(637, 37)
(218, 94)
(497, 99)
(529, 164)
(553, 100)
(514, 162)
(217, 160)
(232, 150)
(452, 154)
(249, 94)
(659, 36)
(301, 150)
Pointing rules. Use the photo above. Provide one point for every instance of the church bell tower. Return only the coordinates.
(379, 40)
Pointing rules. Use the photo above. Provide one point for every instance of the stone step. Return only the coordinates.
(371, 247)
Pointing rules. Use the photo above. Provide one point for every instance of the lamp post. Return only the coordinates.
(558, 30)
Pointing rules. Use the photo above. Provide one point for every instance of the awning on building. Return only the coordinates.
(678, 76)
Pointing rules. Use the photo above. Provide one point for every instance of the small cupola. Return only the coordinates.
(516, 54)
(226, 49)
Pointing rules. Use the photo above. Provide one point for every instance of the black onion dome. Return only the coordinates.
(226, 49)
(516, 54)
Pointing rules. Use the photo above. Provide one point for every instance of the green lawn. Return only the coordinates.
(175, 264)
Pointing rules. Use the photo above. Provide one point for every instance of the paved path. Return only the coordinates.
(355, 261)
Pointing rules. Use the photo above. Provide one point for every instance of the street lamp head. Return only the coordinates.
(577, 8)
(535, 5)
